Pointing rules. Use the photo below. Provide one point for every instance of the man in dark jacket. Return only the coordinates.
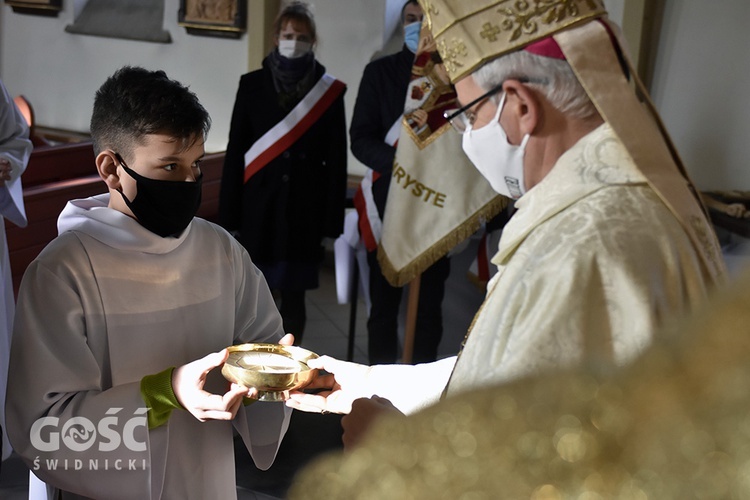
(378, 111)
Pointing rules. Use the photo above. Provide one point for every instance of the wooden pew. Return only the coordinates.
(54, 175)
(57, 174)
(49, 164)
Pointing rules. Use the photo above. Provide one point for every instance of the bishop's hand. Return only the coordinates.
(335, 390)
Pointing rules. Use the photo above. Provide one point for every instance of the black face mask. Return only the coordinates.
(164, 207)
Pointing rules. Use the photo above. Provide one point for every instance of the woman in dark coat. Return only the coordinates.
(282, 211)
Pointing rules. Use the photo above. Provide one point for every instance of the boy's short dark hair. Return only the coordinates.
(135, 102)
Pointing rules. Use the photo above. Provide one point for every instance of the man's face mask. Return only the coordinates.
(163, 207)
(500, 162)
(411, 36)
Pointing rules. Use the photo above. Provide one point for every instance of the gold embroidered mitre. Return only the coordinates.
(470, 33)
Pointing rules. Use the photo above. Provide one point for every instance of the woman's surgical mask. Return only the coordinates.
(411, 36)
(500, 162)
(292, 49)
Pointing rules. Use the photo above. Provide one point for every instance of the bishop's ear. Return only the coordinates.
(106, 165)
(525, 105)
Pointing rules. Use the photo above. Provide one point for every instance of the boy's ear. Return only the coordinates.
(106, 165)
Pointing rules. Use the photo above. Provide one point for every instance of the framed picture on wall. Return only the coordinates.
(36, 7)
(222, 18)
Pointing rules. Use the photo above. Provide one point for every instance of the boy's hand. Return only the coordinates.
(188, 381)
(287, 339)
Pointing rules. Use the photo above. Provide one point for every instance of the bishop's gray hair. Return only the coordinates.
(553, 78)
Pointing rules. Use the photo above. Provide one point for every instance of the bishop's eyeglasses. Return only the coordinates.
(461, 118)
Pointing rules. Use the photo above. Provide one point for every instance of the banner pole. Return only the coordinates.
(411, 319)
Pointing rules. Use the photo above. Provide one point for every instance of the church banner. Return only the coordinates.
(436, 198)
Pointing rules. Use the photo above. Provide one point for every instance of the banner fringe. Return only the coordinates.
(400, 277)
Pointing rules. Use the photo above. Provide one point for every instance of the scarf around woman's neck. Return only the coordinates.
(292, 78)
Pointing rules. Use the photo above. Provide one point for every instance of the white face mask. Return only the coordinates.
(292, 49)
(500, 162)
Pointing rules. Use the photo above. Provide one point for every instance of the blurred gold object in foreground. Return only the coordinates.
(673, 424)
(273, 369)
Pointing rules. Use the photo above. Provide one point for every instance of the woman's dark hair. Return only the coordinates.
(296, 12)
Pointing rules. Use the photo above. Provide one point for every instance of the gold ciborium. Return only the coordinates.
(273, 369)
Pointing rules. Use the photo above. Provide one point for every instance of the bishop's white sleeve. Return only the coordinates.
(411, 388)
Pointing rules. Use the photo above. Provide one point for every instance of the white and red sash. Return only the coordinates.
(282, 135)
(370, 225)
